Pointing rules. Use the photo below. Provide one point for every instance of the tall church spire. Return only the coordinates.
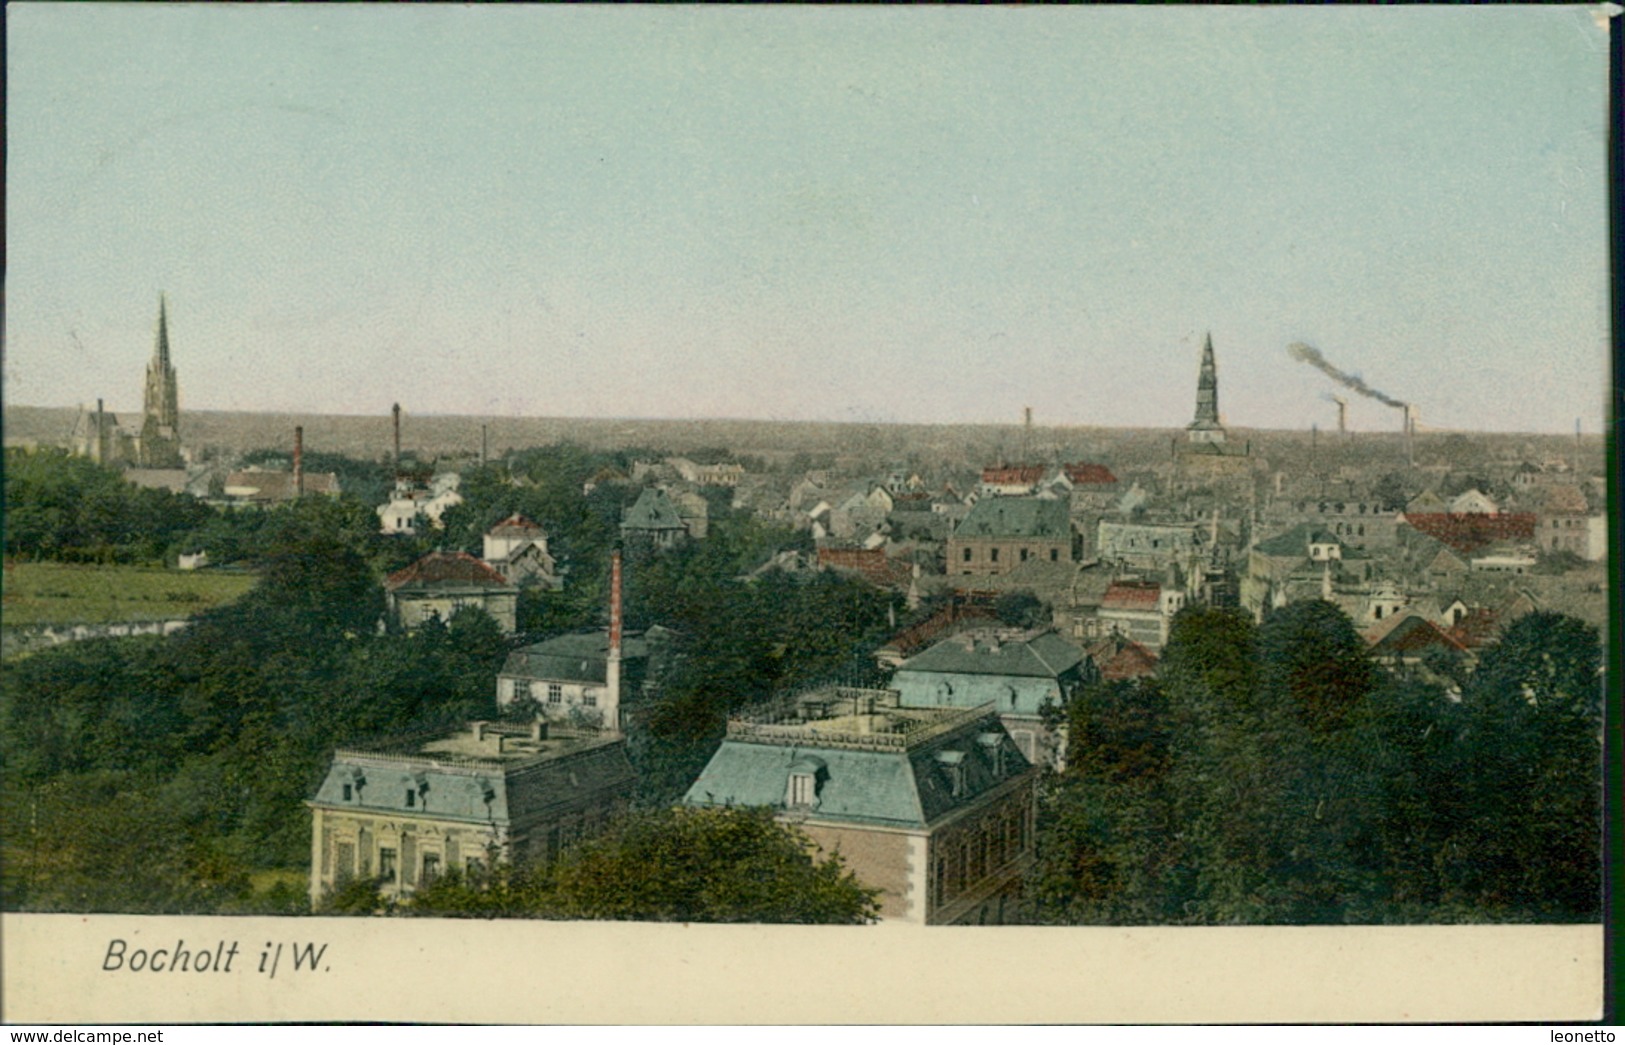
(1206, 428)
(160, 429)
(160, 352)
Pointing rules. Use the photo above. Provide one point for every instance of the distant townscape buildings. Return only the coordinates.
(1013, 581)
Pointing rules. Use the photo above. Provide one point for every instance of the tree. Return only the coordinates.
(1315, 661)
(1526, 837)
(708, 865)
(671, 865)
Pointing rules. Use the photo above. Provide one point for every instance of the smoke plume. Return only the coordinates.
(1305, 354)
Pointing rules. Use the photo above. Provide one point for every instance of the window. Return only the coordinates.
(967, 555)
(1024, 555)
(345, 858)
(555, 693)
(386, 864)
(431, 868)
(348, 792)
(993, 554)
(590, 698)
(1055, 555)
(411, 798)
(521, 689)
(801, 791)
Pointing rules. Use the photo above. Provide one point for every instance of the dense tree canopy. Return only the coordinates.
(1272, 775)
(668, 865)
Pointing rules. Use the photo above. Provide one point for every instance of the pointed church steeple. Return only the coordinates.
(160, 352)
(160, 429)
(1206, 428)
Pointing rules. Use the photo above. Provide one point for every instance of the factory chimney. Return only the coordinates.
(612, 665)
(298, 460)
(397, 412)
(484, 445)
(101, 434)
(1342, 416)
(1410, 433)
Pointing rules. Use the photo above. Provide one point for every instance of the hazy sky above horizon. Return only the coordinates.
(914, 215)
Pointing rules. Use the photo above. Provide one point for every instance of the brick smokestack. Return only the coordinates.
(396, 409)
(612, 666)
(101, 433)
(298, 460)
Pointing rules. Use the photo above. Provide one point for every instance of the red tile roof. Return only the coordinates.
(446, 568)
(872, 563)
(1121, 658)
(1469, 533)
(917, 637)
(1013, 474)
(1131, 595)
(1410, 634)
(516, 526)
(1479, 627)
(1085, 474)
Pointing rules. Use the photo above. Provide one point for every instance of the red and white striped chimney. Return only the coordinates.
(298, 461)
(612, 666)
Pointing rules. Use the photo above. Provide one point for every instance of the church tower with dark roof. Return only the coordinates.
(1206, 428)
(160, 427)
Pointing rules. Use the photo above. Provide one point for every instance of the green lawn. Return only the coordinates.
(56, 593)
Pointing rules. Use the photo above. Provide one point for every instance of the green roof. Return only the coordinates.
(909, 786)
(653, 511)
(1047, 655)
(1017, 517)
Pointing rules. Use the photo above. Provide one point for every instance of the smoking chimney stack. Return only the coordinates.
(298, 461)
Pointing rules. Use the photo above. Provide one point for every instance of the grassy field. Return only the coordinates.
(54, 593)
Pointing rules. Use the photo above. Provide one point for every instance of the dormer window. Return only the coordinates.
(953, 765)
(807, 777)
(993, 744)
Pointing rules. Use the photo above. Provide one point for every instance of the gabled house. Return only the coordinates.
(654, 519)
(1563, 521)
(441, 583)
(569, 677)
(516, 547)
(1141, 610)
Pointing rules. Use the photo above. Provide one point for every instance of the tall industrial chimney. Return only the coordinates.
(612, 665)
(101, 434)
(298, 460)
(396, 409)
(1410, 432)
(1342, 416)
(484, 445)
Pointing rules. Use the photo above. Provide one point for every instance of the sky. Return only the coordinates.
(933, 215)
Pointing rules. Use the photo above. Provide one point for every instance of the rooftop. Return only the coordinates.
(516, 526)
(1017, 517)
(446, 570)
(849, 717)
(1037, 653)
(479, 746)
